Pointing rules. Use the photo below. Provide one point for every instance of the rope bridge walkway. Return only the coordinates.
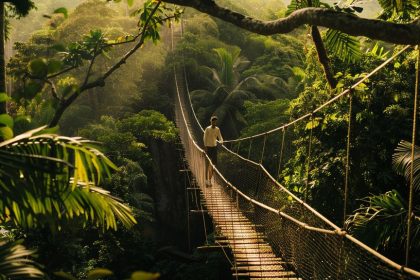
(254, 258)
(267, 228)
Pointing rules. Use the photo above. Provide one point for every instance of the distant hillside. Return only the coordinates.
(263, 9)
(371, 7)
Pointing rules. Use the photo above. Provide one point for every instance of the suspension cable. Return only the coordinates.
(308, 165)
(413, 142)
(263, 148)
(249, 150)
(354, 86)
(347, 164)
(239, 145)
(281, 151)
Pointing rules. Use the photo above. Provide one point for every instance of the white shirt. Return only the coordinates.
(210, 136)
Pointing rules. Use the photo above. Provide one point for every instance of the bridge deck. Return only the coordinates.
(253, 257)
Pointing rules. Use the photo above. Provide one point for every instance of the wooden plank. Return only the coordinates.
(257, 268)
(265, 274)
(253, 256)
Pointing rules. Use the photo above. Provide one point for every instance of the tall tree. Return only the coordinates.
(228, 91)
(317, 39)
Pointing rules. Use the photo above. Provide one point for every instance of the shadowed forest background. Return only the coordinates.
(253, 83)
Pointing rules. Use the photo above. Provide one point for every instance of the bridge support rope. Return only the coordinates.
(413, 142)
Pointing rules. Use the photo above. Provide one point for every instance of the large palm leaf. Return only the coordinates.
(401, 160)
(229, 91)
(14, 262)
(381, 221)
(46, 178)
(230, 64)
(344, 46)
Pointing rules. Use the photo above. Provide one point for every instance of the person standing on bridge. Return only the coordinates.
(211, 135)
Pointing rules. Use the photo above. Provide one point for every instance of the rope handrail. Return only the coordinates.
(335, 98)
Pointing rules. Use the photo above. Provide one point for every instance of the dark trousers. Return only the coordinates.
(212, 153)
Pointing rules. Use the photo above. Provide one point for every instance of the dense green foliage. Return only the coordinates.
(253, 83)
(232, 66)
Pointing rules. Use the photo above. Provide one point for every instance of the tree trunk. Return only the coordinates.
(322, 56)
(169, 197)
(3, 108)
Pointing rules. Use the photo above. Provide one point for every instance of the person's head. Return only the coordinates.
(213, 121)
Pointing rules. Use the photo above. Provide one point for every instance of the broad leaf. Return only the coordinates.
(346, 47)
(38, 67)
(6, 132)
(141, 275)
(54, 66)
(98, 273)
(4, 97)
(61, 10)
(402, 160)
(6, 120)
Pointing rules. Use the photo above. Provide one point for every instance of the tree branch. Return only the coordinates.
(323, 57)
(53, 89)
(92, 61)
(122, 61)
(406, 34)
(101, 80)
(61, 72)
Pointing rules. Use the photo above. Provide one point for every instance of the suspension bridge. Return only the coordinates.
(270, 233)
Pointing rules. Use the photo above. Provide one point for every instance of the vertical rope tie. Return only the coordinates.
(239, 145)
(413, 142)
(249, 150)
(263, 148)
(347, 164)
(281, 151)
(308, 164)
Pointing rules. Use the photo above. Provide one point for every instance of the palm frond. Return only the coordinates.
(42, 177)
(226, 61)
(15, 262)
(378, 52)
(98, 206)
(346, 47)
(401, 160)
(381, 221)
